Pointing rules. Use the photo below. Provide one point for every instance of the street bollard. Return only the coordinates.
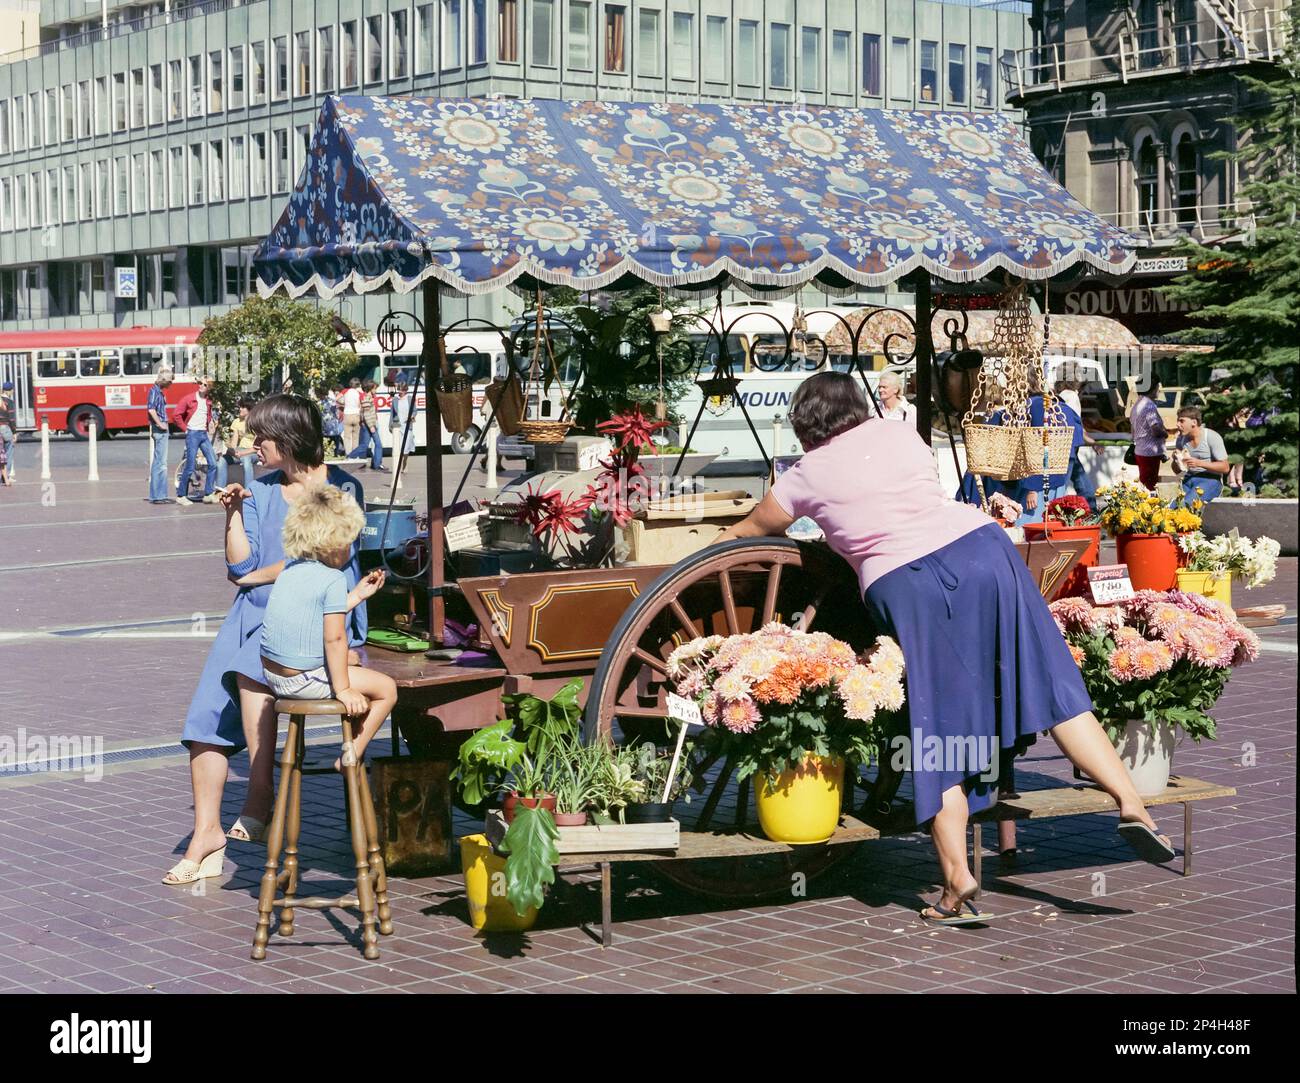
(493, 433)
(45, 449)
(92, 431)
(776, 435)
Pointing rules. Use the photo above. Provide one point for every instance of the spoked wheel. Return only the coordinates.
(732, 588)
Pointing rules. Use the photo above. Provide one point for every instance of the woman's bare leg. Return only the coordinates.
(1086, 745)
(208, 766)
(257, 710)
(948, 830)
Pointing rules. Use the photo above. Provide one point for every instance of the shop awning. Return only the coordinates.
(485, 193)
(1064, 333)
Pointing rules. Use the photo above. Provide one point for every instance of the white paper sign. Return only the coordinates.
(684, 710)
(1110, 583)
(117, 395)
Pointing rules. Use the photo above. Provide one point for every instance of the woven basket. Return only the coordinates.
(456, 403)
(544, 432)
(1001, 452)
(1060, 442)
(507, 398)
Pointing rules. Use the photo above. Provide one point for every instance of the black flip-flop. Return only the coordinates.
(1145, 842)
(955, 915)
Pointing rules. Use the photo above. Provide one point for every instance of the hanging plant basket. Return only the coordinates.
(544, 432)
(506, 397)
(455, 403)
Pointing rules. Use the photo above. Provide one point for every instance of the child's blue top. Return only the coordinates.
(293, 633)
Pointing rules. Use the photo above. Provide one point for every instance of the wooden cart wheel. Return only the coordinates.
(734, 587)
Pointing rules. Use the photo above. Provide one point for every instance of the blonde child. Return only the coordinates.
(304, 637)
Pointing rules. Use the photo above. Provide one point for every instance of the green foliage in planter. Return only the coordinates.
(485, 760)
(531, 849)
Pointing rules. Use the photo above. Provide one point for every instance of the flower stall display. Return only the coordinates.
(1070, 518)
(1154, 665)
(794, 709)
(1144, 528)
(1213, 563)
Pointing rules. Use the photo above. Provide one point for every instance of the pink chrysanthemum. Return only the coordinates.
(740, 715)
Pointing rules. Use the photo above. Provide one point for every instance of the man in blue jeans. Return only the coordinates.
(194, 414)
(158, 434)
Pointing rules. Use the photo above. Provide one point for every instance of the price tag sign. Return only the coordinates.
(1110, 583)
(684, 710)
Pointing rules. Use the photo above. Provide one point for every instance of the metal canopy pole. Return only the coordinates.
(433, 360)
(924, 356)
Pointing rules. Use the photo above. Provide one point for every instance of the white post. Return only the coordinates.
(492, 434)
(92, 431)
(776, 435)
(45, 449)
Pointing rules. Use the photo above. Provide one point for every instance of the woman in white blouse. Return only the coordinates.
(893, 406)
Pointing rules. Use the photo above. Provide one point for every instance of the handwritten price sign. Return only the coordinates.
(1109, 584)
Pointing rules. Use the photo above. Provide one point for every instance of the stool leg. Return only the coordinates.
(365, 890)
(292, 828)
(378, 874)
(274, 841)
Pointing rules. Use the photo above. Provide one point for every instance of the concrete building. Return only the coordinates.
(163, 138)
(1126, 104)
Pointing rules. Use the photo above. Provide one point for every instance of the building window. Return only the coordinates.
(508, 31)
(900, 68)
(871, 65)
(280, 68)
(348, 54)
(196, 86)
(544, 33)
(780, 59)
(51, 117)
(69, 194)
(983, 76)
(401, 30)
(257, 174)
(810, 58)
(157, 180)
(20, 123)
(303, 151)
(138, 106)
(280, 179)
(715, 49)
(103, 111)
(70, 110)
(85, 191)
(216, 171)
(52, 195)
(157, 94)
(929, 71)
(1148, 180)
(302, 63)
(37, 135)
(85, 115)
(647, 43)
(119, 102)
(6, 203)
(615, 37)
(216, 102)
(20, 203)
(325, 59)
(196, 173)
(683, 57)
(257, 93)
(374, 48)
(176, 176)
(425, 55)
(841, 62)
(579, 35)
(1188, 176)
(103, 180)
(139, 183)
(121, 185)
(747, 53)
(478, 31)
(956, 74)
(450, 34)
(238, 168)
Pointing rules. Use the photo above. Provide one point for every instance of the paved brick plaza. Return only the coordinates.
(81, 907)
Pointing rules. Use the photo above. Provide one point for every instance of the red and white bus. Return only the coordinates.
(71, 378)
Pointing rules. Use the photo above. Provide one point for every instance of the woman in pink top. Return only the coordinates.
(987, 668)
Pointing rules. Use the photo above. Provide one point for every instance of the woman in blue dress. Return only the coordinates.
(232, 708)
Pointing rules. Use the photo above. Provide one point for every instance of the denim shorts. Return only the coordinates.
(310, 684)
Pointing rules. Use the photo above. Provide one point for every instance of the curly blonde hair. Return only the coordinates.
(322, 520)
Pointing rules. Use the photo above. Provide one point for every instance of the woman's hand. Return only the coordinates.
(369, 584)
(1031, 500)
(232, 498)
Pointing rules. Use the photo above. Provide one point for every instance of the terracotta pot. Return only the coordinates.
(1076, 583)
(1148, 752)
(513, 801)
(1152, 560)
(570, 819)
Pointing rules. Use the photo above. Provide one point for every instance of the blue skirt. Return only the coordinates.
(987, 668)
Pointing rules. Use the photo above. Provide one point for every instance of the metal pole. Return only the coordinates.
(433, 362)
(92, 473)
(924, 356)
(492, 456)
(45, 449)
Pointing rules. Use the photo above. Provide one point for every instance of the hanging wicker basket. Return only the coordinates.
(1060, 442)
(455, 403)
(544, 432)
(1002, 452)
(506, 397)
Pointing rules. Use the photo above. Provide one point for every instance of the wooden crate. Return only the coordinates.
(668, 530)
(600, 838)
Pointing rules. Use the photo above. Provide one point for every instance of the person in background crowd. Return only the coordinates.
(1068, 392)
(351, 402)
(893, 403)
(1236, 479)
(158, 435)
(193, 414)
(331, 425)
(8, 426)
(239, 448)
(1149, 435)
(1028, 492)
(1200, 458)
(370, 444)
(403, 404)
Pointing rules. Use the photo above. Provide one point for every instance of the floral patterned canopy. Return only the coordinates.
(485, 193)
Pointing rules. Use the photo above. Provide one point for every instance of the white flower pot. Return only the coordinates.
(1147, 751)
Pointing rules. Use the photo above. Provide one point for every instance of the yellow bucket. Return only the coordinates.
(804, 805)
(485, 877)
(1206, 584)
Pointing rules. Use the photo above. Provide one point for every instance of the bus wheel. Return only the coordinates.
(462, 443)
(80, 418)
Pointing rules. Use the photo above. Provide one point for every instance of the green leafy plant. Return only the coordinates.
(651, 771)
(614, 785)
(529, 777)
(572, 776)
(531, 849)
(486, 759)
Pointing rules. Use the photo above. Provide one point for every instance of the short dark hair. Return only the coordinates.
(355, 381)
(1193, 412)
(294, 423)
(247, 401)
(825, 405)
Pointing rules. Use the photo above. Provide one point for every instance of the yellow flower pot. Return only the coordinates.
(485, 876)
(1207, 584)
(804, 805)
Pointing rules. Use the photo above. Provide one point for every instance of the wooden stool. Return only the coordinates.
(372, 883)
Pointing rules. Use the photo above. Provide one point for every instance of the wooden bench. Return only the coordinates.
(1076, 800)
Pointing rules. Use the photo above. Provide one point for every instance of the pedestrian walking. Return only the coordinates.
(1149, 436)
(193, 414)
(351, 401)
(370, 445)
(158, 436)
(403, 405)
(8, 426)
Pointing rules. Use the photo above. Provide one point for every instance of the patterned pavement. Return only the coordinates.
(81, 907)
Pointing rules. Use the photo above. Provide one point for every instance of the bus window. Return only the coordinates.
(704, 349)
(142, 362)
(101, 363)
(179, 357)
(56, 364)
(477, 366)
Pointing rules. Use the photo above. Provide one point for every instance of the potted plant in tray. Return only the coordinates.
(1212, 563)
(651, 772)
(572, 778)
(1070, 518)
(614, 781)
(1154, 665)
(1144, 528)
(795, 709)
